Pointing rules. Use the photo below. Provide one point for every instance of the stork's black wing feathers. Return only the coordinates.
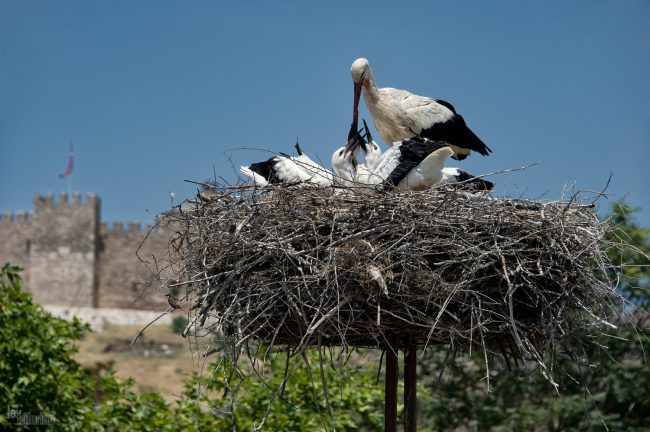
(455, 131)
(480, 185)
(412, 152)
(472, 183)
(266, 170)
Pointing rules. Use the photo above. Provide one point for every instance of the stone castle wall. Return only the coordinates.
(15, 239)
(126, 268)
(71, 258)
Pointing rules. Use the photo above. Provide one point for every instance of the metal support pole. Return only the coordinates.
(410, 380)
(390, 396)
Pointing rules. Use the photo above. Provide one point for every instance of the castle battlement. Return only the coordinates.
(17, 217)
(47, 200)
(119, 228)
(72, 258)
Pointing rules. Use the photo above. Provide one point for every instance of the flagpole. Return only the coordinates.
(70, 176)
(68, 171)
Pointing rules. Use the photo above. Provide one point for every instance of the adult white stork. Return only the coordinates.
(399, 115)
(411, 164)
(283, 168)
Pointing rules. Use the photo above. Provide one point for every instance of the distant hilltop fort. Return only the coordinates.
(72, 258)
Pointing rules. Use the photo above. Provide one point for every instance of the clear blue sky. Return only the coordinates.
(154, 92)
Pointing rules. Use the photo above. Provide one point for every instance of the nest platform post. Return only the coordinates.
(390, 392)
(410, 380)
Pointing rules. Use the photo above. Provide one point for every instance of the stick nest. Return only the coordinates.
(299, 266)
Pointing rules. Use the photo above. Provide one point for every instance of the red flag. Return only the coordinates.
(68, 170)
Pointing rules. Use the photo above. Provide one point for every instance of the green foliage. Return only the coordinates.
(354, 400)
(126, 410)
(632, 255)
(38, 374)
(179, 323)
(612, 390)
(39, 377)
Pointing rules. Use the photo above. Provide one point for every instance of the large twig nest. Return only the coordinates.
(301, 266)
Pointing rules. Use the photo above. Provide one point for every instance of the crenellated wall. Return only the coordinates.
(63, 250)
(15, 236)
(124, 279)
(70, 258)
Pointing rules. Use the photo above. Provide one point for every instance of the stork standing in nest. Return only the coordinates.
(399, 115)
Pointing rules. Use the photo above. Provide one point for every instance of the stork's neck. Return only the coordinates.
(369, 87)
(373, 157)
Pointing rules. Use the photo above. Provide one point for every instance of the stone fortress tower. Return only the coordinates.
(71, 258)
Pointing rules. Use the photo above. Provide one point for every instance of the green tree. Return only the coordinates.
(38, 375)
(354, 401)
(632, 256)
(42, 384)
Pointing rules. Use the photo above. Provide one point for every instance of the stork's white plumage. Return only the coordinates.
(344, 160)
(283, 168)
(277, 169)
(321, 176)
(411, 164)
(399, 114)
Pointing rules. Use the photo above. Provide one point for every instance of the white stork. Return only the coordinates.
(344, 159)
(399, 115)
(411, 164)
(283, 168)
(321, 176)
(467, 181)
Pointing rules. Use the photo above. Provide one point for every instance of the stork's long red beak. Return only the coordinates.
(355, 110)
(365, 126)
(357, 95)
(351, 146)
(355, 140)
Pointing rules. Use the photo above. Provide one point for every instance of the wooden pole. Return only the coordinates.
(390, 396)
(410, 379)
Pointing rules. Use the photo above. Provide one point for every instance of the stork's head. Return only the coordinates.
(359, 69)
(355, 144)
(344, 166)
(344, 160)
(373, 152)
(360, 72)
